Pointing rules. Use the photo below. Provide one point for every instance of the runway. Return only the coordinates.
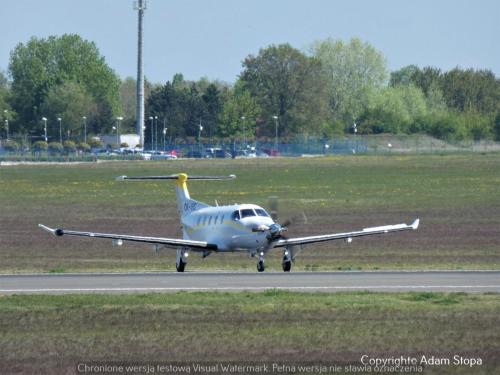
(392, 281)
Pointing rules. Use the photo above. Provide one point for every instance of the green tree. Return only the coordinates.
(41, 64)
(55, 148)
(39, 146)
(183, 104)
(69, 146)
(286, 83)
(240, 115)
(393, 110)
(4, 104)
(352, 71)
(11, 146)
(83, 147)
(70, 102)
(212, 104)
(496, 127)
(467, 90)
(404, 76)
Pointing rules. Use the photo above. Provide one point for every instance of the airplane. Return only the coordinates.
(246, 228)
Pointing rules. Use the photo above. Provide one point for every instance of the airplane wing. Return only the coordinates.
(347, 235)
(170, 242)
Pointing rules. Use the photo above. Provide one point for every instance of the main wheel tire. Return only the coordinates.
(287, 265)
(260, 266)
(181, 266)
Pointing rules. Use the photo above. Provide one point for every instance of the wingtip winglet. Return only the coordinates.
(56, 232)
(415, 224)
(121, 178)
(44, 227)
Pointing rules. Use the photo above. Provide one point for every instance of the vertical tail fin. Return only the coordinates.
(185, 205)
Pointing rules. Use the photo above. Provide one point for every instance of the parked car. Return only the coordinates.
(245, 154)
(271, 152)
(195, 154)
(146, 155)
(161, 155)
(217, 153)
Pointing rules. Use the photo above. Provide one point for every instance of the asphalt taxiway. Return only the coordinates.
(393, 281)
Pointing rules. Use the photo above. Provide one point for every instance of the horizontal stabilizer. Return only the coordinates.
(176, 177)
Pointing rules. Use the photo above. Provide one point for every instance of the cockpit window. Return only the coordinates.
(235, 215)
(247, 212)
(261, 212)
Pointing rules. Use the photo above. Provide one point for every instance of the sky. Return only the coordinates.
(211, 38)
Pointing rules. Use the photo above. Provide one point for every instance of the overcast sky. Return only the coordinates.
(211, 37)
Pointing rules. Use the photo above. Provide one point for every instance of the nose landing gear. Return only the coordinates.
(260, 264)
(287, 260)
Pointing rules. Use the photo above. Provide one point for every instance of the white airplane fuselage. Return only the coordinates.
(218, 225)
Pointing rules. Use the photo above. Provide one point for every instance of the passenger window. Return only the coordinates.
(247, 212)
(235, 215)
(261, 212)
(222, 219)
(209, 220)
(216, 218)
(198, 221)
(204, 220)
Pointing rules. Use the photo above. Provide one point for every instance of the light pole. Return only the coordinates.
(156, 131)
(199, 134)
(355, 131)
(6, 112)
(118, 119)
(151, 119)
(276, 130)
(84, 129)
(244, 132)
(164, 134)
(116, 129)
(44, 119)
(60, 129)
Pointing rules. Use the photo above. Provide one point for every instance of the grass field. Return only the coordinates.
(52, 334)
(457, 198)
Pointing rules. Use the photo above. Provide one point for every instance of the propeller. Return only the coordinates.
(276, 230)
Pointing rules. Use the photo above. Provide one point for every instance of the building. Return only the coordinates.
(131, 139)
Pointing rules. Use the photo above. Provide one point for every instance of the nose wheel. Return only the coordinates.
(287, 260)
(287, 265)
(260, 265)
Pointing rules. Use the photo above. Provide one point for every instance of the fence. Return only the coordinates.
(342, 145)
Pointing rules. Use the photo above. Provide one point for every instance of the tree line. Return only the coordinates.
(321, 92)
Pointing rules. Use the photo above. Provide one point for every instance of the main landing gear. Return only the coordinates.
(181, 261)
(287, 261)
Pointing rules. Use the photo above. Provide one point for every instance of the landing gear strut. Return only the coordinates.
(181, 261)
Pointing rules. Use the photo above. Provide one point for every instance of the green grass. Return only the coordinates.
(456, 197)
(50, 334)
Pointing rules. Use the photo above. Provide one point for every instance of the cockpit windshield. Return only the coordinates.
(247, 212)
(235, 215)
(261, 212)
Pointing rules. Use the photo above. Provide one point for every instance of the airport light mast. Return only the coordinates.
(140, 6)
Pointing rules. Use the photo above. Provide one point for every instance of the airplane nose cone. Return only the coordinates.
(275, 229)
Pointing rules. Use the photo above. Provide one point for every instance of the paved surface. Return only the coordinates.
(448, 281)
